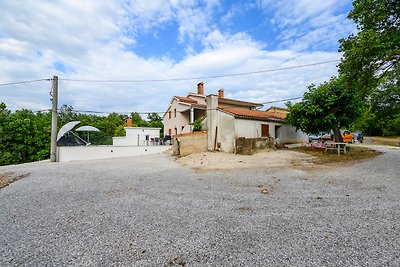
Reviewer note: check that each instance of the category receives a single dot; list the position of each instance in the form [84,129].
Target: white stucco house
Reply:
[225,124]
[183,111]
[138,136]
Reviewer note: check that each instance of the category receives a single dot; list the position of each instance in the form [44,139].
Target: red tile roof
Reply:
[255,114]
[186,100]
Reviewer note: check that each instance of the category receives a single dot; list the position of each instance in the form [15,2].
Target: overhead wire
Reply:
[282,100]
[200,77]
[27,81]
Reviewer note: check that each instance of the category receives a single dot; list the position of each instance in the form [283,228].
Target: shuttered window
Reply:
[264,130]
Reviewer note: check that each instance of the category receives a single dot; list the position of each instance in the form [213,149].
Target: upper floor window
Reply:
[169,114]
[175,113]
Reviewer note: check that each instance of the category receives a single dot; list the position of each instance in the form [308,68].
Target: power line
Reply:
[287,99]
[201,77]
[162,112]
[21,82]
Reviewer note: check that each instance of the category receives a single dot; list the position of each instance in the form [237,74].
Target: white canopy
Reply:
[87,128]
[66,128]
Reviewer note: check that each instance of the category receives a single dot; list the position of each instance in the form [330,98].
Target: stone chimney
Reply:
[129,122]
[200,88]
[221,93]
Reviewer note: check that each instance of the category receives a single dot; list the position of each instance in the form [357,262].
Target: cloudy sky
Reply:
[144,40]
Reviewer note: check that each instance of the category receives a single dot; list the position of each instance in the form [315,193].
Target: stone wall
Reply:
[187,144]
[248,146]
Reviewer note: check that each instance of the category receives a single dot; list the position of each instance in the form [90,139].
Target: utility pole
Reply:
[53,148]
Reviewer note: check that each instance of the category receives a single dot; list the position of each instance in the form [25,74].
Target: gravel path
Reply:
[150,211]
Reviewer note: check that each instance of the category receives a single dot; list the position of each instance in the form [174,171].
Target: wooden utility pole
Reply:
[53,148]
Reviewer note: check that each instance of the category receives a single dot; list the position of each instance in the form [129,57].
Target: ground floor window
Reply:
[264,130]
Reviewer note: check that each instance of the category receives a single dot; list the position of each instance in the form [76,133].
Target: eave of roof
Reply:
[238,102]
[185,100]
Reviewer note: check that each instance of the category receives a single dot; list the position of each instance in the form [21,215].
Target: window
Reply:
[264,130]
[169,114]
[169,131]
[175,113]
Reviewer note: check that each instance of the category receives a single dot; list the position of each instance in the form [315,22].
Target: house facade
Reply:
[183,111]
[224,125]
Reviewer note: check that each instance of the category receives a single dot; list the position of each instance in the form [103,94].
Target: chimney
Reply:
[200,88]
[221,93]
[129,122]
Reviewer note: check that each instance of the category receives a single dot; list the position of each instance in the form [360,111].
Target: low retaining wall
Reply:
[248,146]
[71,153]
[187,144]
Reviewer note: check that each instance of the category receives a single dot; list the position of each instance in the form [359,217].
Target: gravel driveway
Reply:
[150,211]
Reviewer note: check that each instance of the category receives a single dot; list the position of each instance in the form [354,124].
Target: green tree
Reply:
[374,52]
[25,136]
[154,117]
[66,114]
[120,130]
[330,106]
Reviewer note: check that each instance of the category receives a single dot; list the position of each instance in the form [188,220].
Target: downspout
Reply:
[191,120]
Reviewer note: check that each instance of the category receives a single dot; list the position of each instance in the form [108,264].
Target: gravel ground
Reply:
[151,211]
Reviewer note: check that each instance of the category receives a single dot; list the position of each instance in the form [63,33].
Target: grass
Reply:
[353,154]
[8,178]
[386,140]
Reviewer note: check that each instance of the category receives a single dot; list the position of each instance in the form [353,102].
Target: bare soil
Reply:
[211,161]
[9,177]
[295,158]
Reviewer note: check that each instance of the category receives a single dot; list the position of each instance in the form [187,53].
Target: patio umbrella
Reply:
[87,129]
[66,128]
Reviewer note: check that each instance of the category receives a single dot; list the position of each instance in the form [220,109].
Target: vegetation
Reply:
[327,107]
[25,136]
[369,78]
[197,125]
[371,66]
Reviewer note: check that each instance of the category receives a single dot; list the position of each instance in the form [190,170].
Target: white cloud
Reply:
[308,24]
[90,37]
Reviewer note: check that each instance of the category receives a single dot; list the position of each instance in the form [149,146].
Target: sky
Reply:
[178,43]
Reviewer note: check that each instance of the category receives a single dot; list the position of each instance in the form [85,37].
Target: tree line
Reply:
[25,135]
[366,93]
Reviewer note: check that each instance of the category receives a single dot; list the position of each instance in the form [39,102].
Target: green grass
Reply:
[386,140]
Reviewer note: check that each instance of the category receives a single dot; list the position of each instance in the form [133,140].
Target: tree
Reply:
[330,106]
[66,114]
[374,52]
[154,117]
[24,137]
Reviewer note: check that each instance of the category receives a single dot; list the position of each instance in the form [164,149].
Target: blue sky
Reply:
[147,40]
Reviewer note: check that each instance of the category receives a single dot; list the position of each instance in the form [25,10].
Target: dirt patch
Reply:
[354,154]
[299,158]
[9,177]
[211,161]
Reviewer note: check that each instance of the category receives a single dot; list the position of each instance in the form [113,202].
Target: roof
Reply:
[185,100]
[277,110]
[254,114]
[238,102]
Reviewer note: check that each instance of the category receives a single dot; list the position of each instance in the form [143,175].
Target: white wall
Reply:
[71,153]
[288,135]
[226,132]
[136,136]
[252,128]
